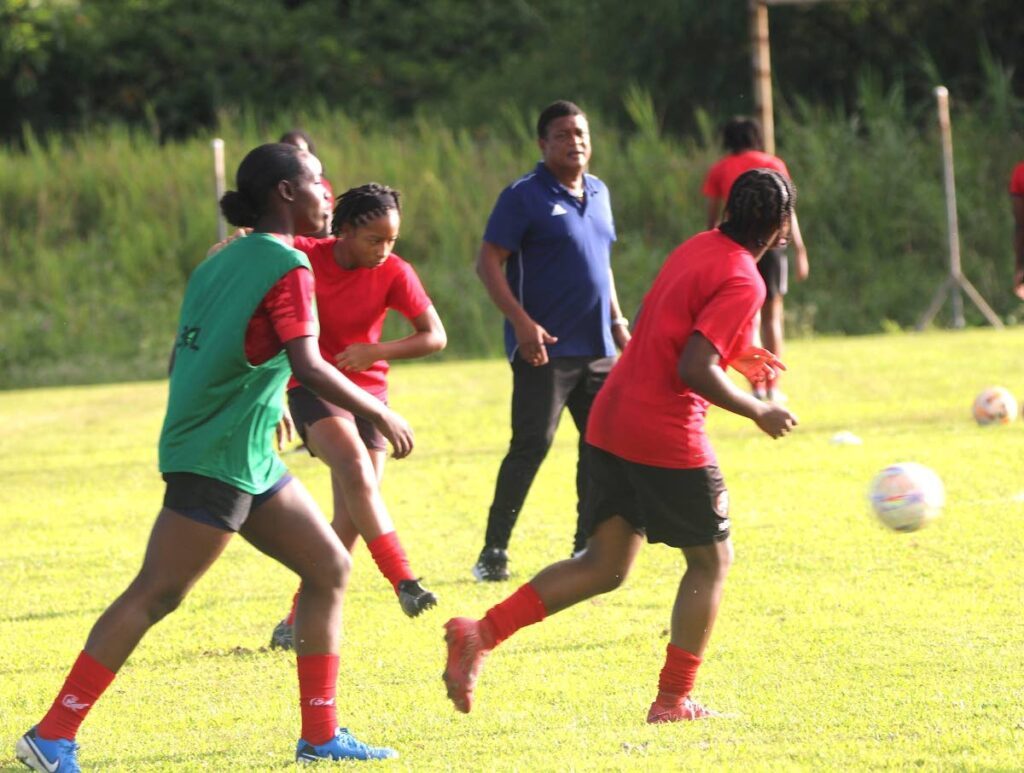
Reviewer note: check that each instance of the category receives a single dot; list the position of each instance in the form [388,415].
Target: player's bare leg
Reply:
[602,567]
[359,509]
[693,617]
[289,528]
[179,552]
[772,319]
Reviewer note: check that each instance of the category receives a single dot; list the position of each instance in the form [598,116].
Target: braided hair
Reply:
[742,133]
[358,206]
[760,202]
[258,174]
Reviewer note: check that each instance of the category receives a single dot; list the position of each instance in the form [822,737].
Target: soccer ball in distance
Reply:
[907,496]
[995,405]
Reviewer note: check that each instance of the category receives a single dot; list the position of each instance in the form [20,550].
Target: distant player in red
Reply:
[745,143]
[300,139]
[653,471]
[1017,200]
[358,279]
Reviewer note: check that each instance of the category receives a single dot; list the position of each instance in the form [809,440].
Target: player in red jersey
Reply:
[653,471]
[743,139]
[358,279]
[247,321]
[1017,200]
[301,139]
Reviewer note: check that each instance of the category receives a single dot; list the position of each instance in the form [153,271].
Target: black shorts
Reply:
[774,269]
[212,501]
[308,408]
[680,508]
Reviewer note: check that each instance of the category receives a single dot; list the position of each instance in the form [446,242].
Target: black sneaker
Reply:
[414,598]
[492,566]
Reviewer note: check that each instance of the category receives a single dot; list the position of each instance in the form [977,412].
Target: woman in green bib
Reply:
[247,322]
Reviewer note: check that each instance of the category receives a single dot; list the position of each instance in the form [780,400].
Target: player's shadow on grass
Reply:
[31,616]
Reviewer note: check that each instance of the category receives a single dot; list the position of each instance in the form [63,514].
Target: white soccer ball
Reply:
[995,405]
[907,496]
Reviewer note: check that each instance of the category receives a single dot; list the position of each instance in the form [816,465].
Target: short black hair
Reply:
[759,203]
[554,111]
[358,206]
[292,137]
[742,133]
[258,174]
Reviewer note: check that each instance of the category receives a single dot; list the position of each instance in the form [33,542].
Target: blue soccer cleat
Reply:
[57,756]
[343,746]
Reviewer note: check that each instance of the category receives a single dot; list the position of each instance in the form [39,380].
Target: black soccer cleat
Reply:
[492,566]
[414,598]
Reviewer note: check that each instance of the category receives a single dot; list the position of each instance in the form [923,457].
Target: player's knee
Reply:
[355,475]
[330,572]
[712,562]
[532,448]
[160,602]
[606,576]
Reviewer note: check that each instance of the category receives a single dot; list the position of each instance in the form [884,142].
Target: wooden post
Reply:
[762,64]
[956,281]
[218,185]
[952,224]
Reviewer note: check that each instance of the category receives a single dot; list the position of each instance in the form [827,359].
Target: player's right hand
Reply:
[774,420]
[533,341]
[397,431]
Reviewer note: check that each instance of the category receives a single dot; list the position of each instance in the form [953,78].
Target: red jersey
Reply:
[352,304]
[724,173]
[286,312]
[645,413]
[1017,180]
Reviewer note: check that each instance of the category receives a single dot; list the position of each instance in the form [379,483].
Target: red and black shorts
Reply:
[212,501]
[680,508]
[307,408]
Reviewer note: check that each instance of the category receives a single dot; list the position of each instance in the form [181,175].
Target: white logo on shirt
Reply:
[558,209]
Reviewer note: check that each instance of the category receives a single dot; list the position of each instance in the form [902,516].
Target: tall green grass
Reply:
[99,231]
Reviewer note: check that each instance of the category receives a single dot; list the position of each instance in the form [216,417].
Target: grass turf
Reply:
[840,645]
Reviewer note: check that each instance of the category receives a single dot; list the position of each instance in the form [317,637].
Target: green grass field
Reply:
[840,645]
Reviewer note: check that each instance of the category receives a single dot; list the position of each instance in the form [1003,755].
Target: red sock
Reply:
[522,608]
[318,684]
[677,675]
[290,620]
[390,558]
[83,687]
[771,384]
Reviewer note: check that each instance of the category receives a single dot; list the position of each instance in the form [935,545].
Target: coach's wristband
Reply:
[620,322]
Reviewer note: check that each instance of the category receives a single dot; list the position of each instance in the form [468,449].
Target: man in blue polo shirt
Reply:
[545,261]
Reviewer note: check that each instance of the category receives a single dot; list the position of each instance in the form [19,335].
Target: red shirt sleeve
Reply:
[289,304]
[406,294]
[726,318]
[1017,180]
[286,312]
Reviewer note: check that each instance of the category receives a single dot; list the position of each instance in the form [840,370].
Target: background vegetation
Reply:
[106,199]
[840,646]
[100,231]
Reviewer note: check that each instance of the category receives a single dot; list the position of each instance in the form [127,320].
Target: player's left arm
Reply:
[700,368]
[620,325]
[428,337]
[1018,245]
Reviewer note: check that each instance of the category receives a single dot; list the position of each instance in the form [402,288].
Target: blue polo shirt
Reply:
[560,261]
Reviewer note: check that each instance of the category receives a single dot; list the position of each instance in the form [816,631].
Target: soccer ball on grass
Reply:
[907,496]
[995,405]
